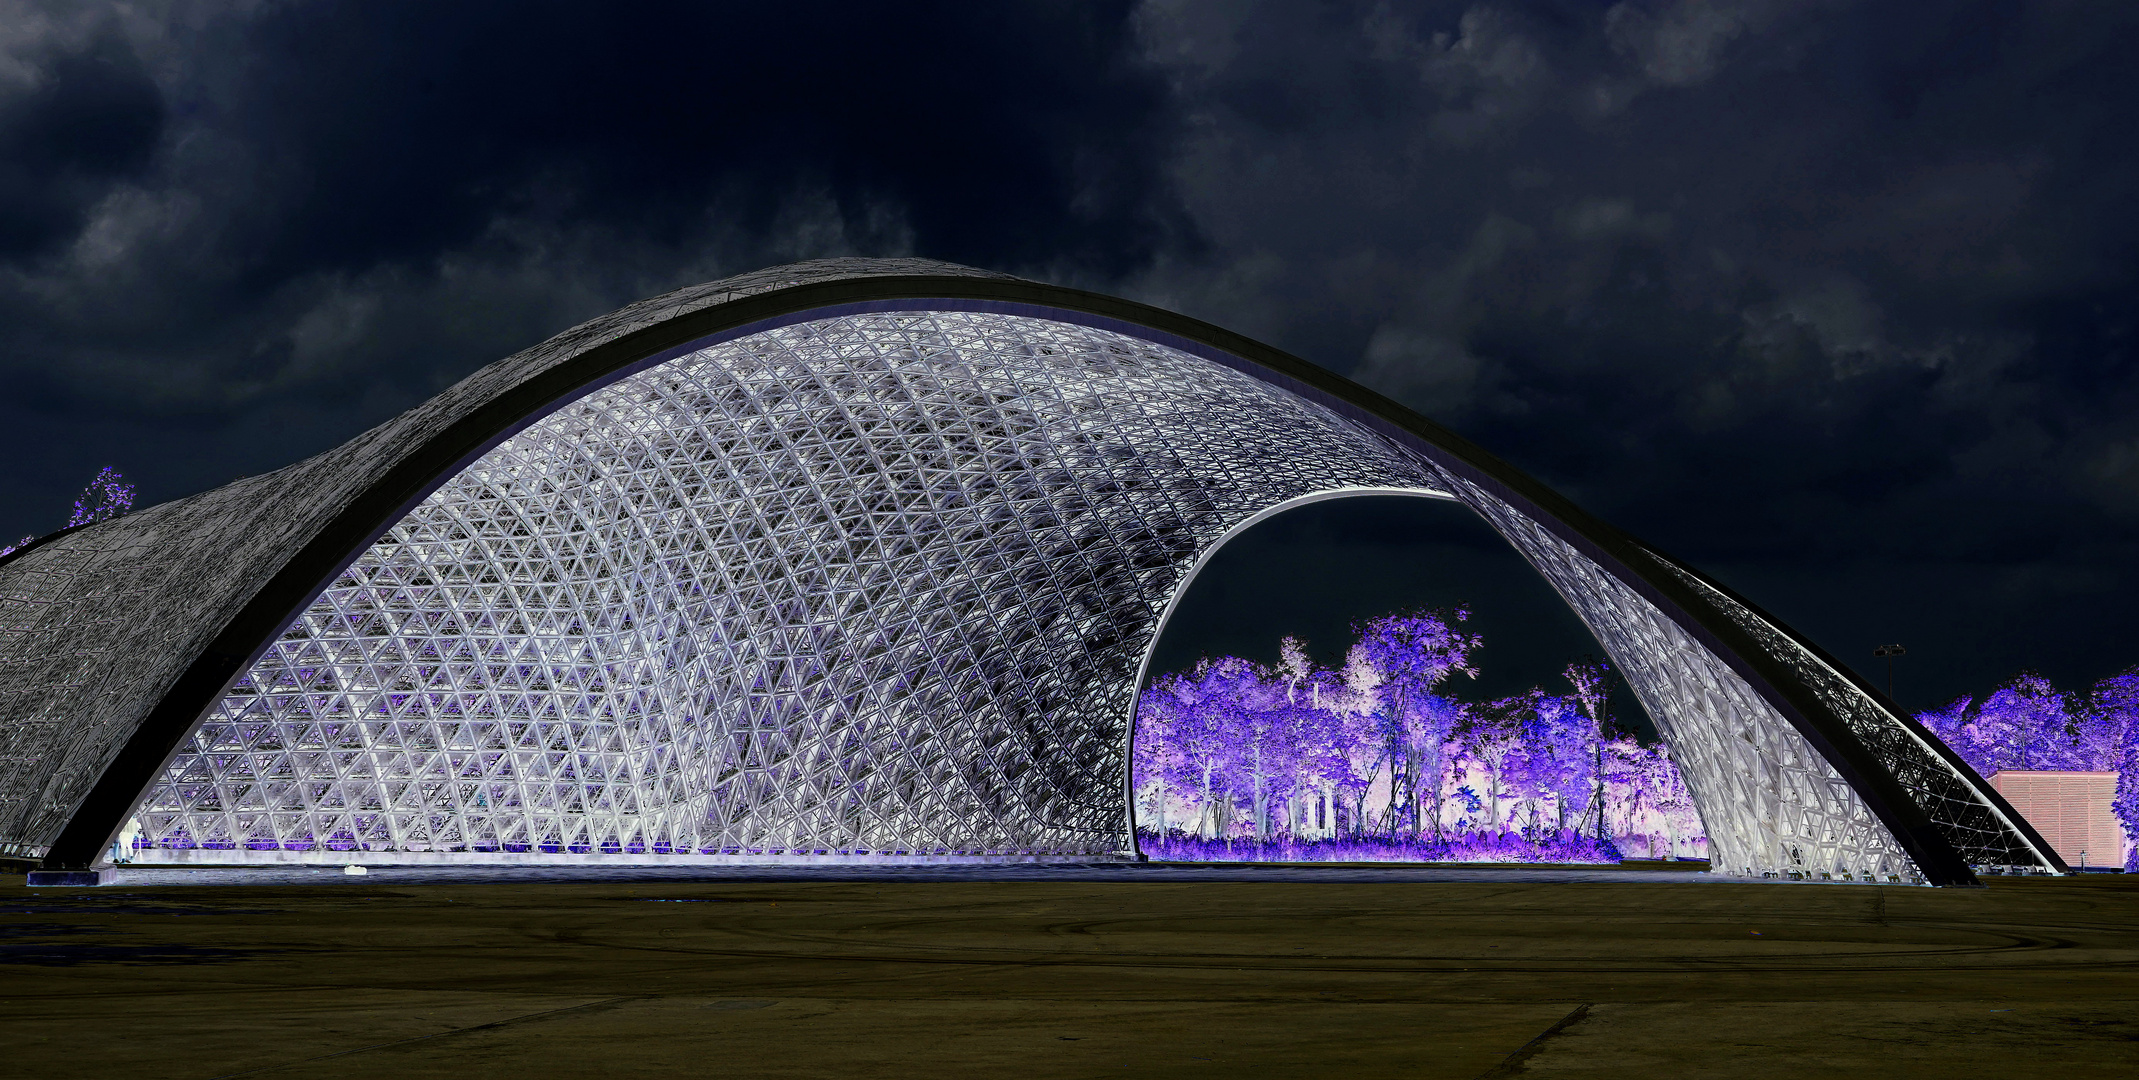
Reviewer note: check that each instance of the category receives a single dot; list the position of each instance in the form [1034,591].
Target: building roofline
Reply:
[421,469]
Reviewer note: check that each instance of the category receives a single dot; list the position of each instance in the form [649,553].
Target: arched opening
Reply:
[1318,568]
[1802,768]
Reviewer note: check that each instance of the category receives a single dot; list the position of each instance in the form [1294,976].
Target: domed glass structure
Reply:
[848,560]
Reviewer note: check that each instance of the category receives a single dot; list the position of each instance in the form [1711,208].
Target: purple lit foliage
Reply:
[1456,847]
[1404,658]
[105,497]
[2029,724]
[1375,761]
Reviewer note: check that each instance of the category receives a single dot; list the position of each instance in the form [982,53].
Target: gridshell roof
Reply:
[862,578]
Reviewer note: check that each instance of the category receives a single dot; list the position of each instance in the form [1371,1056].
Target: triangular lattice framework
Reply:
[1771,804]
[102,628]
[868,585]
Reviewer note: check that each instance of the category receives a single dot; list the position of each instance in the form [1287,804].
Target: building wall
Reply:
[2071,810]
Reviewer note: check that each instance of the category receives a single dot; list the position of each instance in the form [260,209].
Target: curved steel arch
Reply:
[1696,644]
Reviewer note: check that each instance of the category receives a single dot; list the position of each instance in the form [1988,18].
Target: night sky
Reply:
[1833,301]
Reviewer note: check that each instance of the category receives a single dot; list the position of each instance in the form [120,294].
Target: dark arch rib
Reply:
[1662,581]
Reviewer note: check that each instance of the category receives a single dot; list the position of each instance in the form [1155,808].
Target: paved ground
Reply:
[1631,975]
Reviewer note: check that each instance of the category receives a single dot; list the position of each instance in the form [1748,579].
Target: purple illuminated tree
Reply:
[1412,654]
[1322,757]
[2025,724]
[1261,731]
[105,498]
[1430,723]
[1655,794]
[1297,761]
[1591,682]
[1551,764]
[1490,743]
[1673,801]
[2105,725]
[1950,726]
[1213,706]
[2110,735]
[1625,766]
[1527,770]
[1157,760]
[1356,710]
[2029,724]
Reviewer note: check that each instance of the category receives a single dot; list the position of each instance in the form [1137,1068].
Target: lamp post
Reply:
[1890,652]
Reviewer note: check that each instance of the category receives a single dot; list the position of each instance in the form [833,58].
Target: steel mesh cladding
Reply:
[870,585]
[844,560]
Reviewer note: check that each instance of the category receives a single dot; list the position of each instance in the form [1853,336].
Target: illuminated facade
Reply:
[850,560]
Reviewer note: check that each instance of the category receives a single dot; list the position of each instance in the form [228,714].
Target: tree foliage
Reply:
[106,497]
[1379,756]
[2029,724]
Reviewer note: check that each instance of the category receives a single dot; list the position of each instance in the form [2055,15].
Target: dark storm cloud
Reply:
[92,121]
[990,132]
[1832,299]
[235,235]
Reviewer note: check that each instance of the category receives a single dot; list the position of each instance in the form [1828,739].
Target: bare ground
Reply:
[1034,979]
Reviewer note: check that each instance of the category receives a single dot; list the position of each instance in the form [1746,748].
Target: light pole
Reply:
[1890,652]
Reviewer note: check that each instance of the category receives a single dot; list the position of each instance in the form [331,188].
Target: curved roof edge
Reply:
[419,450]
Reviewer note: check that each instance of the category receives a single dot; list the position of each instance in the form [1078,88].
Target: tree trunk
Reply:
[1440,795]
[1207,818]
[1492,793]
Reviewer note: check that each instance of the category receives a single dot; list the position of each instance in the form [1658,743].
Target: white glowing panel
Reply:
[868,586]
